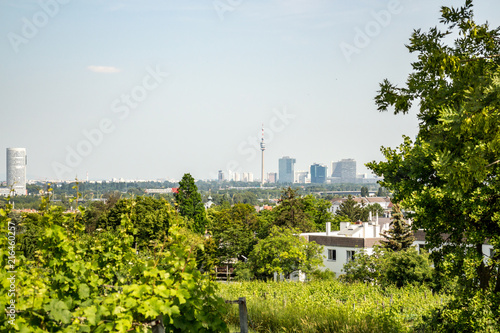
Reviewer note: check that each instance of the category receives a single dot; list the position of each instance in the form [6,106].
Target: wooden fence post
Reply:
[159,328]
[243,315]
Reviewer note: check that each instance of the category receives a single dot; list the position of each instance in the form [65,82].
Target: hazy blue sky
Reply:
[156,88]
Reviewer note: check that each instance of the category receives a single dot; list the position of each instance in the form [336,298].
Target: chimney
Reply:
[328,228]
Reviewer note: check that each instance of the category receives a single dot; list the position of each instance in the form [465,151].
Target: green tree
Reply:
[189,204]
[399,236]
[375,209]
[450,176]
[351,210]
[293,212]
[318,210]
[234,230]
[364,191]
[284,251]
[150,217]
[382,192]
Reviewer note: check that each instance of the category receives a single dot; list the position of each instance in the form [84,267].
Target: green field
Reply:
[329,306]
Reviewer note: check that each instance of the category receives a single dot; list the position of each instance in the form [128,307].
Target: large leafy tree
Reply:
[449,177]
[284,251]
[293,211]
[189,204]
[233,230]
[151,218]
[399,236]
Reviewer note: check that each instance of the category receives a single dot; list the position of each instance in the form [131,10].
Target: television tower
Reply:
[262,147]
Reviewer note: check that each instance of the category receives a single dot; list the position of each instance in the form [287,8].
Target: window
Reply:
[332,255]
[350,255]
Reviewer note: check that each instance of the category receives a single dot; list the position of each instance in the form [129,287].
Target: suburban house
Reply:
[341,246]
[385,202]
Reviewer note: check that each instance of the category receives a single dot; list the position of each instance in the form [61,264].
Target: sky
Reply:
[153,89]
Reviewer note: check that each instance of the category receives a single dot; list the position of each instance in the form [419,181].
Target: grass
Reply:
[328,306]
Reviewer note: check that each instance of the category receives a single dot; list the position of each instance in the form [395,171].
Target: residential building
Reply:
[340,247]
[247,177]
[286,169]
[236,177]
[301,177]
[344,170]
[272,177]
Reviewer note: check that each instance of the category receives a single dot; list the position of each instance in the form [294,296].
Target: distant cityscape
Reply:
[343,171]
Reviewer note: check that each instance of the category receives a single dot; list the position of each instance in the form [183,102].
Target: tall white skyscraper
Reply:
[16,170]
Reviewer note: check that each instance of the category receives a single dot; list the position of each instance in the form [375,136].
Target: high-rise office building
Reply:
[345,170]
[318,173]
[286,169]
[220,176]
[16,170]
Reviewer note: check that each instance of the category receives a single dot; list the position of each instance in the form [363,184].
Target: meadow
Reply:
[329,306]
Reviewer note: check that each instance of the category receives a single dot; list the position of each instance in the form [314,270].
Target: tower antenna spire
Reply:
[262,147]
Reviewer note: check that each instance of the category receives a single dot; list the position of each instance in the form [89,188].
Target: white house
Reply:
[339,247]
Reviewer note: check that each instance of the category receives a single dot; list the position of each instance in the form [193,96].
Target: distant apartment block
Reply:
[272,177]
[318,173]
[247,177]
[344,170]
[236,177]
[286,169]
[16,170]
[302,177]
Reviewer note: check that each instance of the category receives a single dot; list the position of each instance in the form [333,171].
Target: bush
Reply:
[476,312]
[386,267]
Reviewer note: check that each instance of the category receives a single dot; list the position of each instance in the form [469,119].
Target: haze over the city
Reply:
[153,89]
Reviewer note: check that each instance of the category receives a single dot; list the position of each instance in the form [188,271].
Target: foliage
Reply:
[78,283]
[151,218]
[234,229]
[189,204]
[320,274]
[478,313]
[382,192]
[364,191]
[352,211]
[385,267]
[330,306]
[318,208]
[450,176]
[399,236]
[292,211]
[284,251]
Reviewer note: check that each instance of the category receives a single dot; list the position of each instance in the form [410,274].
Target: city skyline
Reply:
[155,89]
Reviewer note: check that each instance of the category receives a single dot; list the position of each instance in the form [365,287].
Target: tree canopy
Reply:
[189,204]
[449,176]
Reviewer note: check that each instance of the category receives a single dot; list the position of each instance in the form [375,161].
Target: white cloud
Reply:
[104,69]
